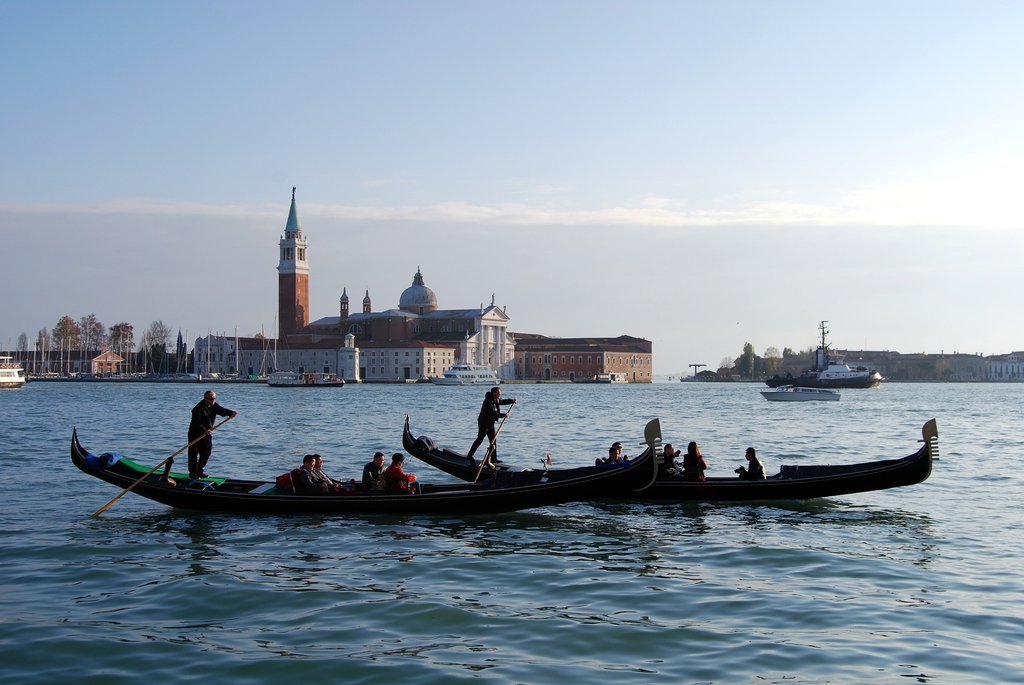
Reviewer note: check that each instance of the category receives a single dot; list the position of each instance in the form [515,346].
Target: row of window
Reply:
[633,360]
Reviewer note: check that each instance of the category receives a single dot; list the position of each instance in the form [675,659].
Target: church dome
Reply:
[418,297]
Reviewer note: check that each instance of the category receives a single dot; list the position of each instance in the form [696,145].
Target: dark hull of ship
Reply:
[812,381]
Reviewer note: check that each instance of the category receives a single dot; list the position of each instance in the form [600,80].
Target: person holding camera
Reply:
[754,469]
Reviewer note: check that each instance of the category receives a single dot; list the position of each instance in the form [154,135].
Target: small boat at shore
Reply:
[792,482]
[789,393]
[468,374]
[12,375]
[611,377]
[294,379]
[495,492]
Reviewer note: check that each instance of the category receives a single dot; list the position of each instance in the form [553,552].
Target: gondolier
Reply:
[490,412]
[202,422]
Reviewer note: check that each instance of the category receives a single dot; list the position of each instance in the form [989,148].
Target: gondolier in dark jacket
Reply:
[490,412]
[203,416]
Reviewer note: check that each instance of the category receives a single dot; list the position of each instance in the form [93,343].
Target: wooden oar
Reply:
[490,447]
[150,472]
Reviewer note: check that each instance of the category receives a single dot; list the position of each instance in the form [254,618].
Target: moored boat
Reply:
[612,377]
[294,379]
[12,375]
[467,374]
[795,481]
[789,393]
[496,492]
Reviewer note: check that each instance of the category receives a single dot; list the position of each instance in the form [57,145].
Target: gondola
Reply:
[500,492]
[792,482]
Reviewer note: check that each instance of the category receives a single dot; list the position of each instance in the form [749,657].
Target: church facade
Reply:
[414,341]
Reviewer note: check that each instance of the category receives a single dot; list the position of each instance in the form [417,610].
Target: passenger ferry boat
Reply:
[468,374]
[11,373]
[294,379]
[611,377]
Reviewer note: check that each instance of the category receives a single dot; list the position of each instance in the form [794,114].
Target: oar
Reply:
[150,472]
[490,447]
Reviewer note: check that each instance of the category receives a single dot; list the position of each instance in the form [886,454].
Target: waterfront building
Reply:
[427,339]
[538,357]
[107,364]
[293,277]
[215,355]
[1006,367]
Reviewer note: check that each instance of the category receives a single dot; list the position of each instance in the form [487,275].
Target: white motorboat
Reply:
[11,373]
[468,374]
[605,378]
[790,393]
[294,379]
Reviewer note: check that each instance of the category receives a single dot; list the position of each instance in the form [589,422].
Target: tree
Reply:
[747,361]
[727,363]
[772,360]
[23,343]
[93,332]
[122,339]
[154,340]
[67,335]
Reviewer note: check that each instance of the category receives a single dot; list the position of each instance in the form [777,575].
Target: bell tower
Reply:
[292,278]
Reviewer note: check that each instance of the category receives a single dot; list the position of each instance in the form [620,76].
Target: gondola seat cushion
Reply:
[286,481]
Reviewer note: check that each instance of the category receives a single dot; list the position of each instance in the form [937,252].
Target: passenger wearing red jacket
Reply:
[398,481]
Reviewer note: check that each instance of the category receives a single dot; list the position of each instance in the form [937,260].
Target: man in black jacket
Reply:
[203,417]
[201,426]
[490,412]
[373,474]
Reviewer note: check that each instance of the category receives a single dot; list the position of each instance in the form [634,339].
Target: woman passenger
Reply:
[693,463]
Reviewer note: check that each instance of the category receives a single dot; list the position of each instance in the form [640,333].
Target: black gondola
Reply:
[495,493]
[790,483]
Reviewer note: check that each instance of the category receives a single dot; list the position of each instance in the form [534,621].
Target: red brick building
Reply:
[538,357]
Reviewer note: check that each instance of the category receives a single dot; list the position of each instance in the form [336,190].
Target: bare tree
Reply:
[93,332]
[122,339]
[154,341]
[67,335]
[23,343]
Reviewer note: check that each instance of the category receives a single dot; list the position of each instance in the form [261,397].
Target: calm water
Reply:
[920,584]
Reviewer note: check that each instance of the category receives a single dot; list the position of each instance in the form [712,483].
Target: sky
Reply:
[700,174]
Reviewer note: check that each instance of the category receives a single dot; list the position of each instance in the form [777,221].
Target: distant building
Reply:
[413,342]
[1005,367]
[107,364]
[542,358]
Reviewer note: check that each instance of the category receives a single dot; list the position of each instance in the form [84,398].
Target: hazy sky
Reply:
[701,174]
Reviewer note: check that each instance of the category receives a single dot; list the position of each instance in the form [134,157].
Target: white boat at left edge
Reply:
[11,373]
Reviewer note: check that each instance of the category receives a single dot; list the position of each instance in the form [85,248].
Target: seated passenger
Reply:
[614,455]
[308,482]
[318,469]
[693,463]
[670,453]
[373,474]
[754,470]
[398,481]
